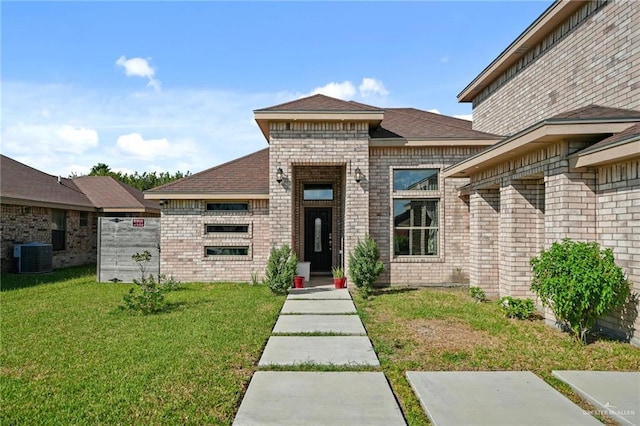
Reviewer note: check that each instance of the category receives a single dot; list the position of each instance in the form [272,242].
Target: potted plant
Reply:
[339,280]
[298,281]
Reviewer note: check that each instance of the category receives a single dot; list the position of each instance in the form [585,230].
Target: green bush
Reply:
[579,282]
[281,268]
[365,266]
[478,294]
[517,308]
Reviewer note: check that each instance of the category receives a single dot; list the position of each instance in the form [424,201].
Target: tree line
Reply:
[140,181]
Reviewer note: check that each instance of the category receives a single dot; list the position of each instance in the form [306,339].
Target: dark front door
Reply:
[317,238]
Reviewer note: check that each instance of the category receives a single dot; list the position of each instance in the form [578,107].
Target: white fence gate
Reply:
[119,238]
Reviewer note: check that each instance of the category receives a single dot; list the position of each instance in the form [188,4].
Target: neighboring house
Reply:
[567,91]
[446,200]
[38,207]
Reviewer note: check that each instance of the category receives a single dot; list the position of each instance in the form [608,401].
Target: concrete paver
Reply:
[319,398]
[613,393]
[321,350]
[337,324]
[318,307]
[493,398]
[322,293]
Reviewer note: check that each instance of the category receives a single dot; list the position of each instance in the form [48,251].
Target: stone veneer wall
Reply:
[183,240]
[25,224]
[451,265]
[618,227]
[335,143]
[597,63]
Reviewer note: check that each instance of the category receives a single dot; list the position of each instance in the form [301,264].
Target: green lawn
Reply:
[447,330]
[68,355]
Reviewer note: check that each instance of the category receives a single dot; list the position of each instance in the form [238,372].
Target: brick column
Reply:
[483,240]
[521,218]
[570,205]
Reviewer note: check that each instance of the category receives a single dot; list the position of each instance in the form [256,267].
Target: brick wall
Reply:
[183,241]
[24,224]
[451,264]
[618,228]
[520,233]
[597,63]
[318,144]
[483,240]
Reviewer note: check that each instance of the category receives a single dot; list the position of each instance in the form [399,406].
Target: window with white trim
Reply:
[415,227]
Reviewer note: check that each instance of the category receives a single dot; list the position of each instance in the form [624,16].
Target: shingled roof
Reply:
[109,194]
[594,112]
[246,175]
[21,184]
[320,103]
[629,135]
[411,123]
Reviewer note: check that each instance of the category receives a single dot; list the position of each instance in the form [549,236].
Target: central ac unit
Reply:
[34,257]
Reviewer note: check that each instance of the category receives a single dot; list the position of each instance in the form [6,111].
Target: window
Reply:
[415,180]
[58,229]
[84,219]
[227,251]
[415,227]
[228,207]
[318,192]
[227,228]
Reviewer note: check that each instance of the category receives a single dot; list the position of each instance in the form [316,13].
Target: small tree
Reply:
[148,295]
[365,266]
[579,282]
[281,268]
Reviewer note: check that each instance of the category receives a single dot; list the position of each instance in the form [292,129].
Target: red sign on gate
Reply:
[138,223]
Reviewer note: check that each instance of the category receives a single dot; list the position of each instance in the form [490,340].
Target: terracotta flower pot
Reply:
[340,282]
[298,281]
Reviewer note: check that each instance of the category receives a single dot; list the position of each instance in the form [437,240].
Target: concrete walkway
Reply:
[320,328]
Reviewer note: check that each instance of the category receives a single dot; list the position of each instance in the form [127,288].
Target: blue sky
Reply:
[167,86]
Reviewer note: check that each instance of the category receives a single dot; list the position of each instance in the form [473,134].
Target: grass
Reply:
[70,356]
[438,330]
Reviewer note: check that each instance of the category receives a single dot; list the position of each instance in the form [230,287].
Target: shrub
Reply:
[517,308]
[478,294]
[149,294]
[579,282]
[365,266]
[281,268]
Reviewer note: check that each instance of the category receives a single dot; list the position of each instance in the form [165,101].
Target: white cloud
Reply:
[134,144]
[371,86]
[344,90]
[139,67]
[434,110]
[48,138]
[468,117]
[444,59]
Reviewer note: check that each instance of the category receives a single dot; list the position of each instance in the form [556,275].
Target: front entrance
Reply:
[318,238]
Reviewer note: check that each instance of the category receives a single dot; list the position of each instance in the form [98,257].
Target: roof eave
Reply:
[175,195]
[263,118]
[550,18]
[430,142]
[621,151]
[540,134]
[45,204]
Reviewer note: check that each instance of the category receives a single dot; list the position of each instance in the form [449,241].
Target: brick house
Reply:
[447,200]
[567,92]
[334,171]
[38,207]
